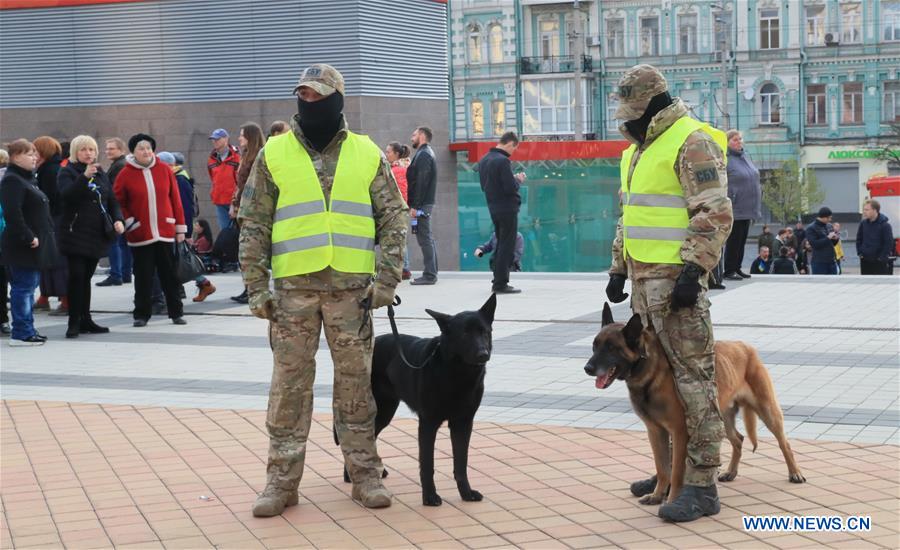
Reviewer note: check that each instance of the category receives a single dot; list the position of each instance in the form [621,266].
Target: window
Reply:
[890,17]
[549,38]
[851,23]
[549,106]
[687,33]
[650,35]
[612,104]
[498,116]
[615,37]
[722,25]
[495,44]
[891,105]
[769,104]
[768,29]
[851,113]
[477,118]
[474,44]
[815,105]
[815,25]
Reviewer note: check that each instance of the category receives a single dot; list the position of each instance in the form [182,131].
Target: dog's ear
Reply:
[443,320]
[607,315]
[488,309]
[632,331]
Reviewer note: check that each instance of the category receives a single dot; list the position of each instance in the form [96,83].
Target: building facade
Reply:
[801,79]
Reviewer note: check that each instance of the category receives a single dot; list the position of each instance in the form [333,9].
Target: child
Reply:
[202,242]
[491,244]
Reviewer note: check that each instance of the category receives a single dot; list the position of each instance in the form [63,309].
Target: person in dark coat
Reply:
[821,237]
[745,193]
[54,278]
[784,264]
[501,190]
[28,242]
[763,263]
[874,240]
[421,177]
[91,222]
[119,253]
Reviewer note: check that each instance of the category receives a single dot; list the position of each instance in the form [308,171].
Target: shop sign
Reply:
[858,154]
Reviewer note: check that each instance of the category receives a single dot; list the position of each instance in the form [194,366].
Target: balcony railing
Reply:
[554,64]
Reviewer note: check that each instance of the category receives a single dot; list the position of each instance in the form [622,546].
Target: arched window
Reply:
[495,42]
[769,104]
[474,44]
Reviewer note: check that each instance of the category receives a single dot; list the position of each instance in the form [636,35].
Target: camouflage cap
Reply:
[635,90]
[322,78]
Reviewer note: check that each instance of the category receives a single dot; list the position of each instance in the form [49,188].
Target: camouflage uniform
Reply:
[685,333]
[302,305]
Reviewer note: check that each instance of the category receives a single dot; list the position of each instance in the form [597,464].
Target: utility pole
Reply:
[579,54]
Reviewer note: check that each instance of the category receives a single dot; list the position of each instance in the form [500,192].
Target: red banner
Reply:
[548,150]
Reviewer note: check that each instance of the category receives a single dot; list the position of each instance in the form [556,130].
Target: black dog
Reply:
[448,387]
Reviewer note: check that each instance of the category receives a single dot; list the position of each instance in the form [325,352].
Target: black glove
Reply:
[687,287]
[614,288]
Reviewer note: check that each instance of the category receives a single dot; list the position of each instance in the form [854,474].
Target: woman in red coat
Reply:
[398,155]
[151,204]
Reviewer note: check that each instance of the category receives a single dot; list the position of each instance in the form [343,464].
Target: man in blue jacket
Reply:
[822,238]
[874,240]
[501,189]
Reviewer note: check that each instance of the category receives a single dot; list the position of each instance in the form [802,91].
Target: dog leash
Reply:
[367,308]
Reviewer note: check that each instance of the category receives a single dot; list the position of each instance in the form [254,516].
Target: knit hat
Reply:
[166,157]
[137,138]
[179,158]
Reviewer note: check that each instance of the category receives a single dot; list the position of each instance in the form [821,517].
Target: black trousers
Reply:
[81,269]
[156,258]
[734,246]
[873,267]
[506,225]
[4,295]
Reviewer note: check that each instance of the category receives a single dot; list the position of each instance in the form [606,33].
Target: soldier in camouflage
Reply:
[671,297]
[302,304]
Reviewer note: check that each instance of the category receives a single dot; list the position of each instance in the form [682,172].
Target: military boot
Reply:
[692,503]
[273,500]
[372,494]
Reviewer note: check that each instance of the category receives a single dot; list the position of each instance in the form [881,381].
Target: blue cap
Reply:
[218,133]
[166,157]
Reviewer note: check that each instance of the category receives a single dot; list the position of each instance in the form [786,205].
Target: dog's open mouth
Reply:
[604,380]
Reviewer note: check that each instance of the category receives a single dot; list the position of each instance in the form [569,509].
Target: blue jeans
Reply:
[22,283]
[222,215]
[119,258]
[824,268]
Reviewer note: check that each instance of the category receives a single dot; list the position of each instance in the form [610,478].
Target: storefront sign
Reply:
[858,154]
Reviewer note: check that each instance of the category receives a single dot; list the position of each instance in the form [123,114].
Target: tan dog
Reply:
[630,353]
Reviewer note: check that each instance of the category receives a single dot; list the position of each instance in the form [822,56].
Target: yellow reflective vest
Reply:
[307,234]
[654,210]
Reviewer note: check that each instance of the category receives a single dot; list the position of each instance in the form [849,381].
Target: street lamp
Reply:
[726,47]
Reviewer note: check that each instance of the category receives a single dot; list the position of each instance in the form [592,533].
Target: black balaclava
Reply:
[321,120]
[638,127]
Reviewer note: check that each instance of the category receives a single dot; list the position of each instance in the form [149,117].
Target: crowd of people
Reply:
[62,212]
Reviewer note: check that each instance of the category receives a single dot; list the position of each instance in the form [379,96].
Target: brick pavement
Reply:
[94,476]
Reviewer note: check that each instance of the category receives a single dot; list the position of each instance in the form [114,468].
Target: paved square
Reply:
[112,439]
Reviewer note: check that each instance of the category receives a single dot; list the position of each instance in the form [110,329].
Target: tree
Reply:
[789,191]
[890,151]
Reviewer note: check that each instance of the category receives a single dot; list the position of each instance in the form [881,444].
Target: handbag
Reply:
[188,265]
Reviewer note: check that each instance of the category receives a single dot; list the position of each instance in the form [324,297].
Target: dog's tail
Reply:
[749,416]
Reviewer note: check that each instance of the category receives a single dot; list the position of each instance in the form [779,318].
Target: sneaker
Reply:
[272,502]
[40,336]
[30,341]
[423,281]
[692,503]
[205,289]
[4,329]
[733,277]
[110,281]
[407,275]
[179,321]
[507,290]
[138,323]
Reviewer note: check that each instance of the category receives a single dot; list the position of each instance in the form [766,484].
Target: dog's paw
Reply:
[384,473]
[472,496]
[432,500]
[651,499]
[728,476]
[797,478]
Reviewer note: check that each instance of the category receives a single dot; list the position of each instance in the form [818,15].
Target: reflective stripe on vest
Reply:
[307,236]
[654,210]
